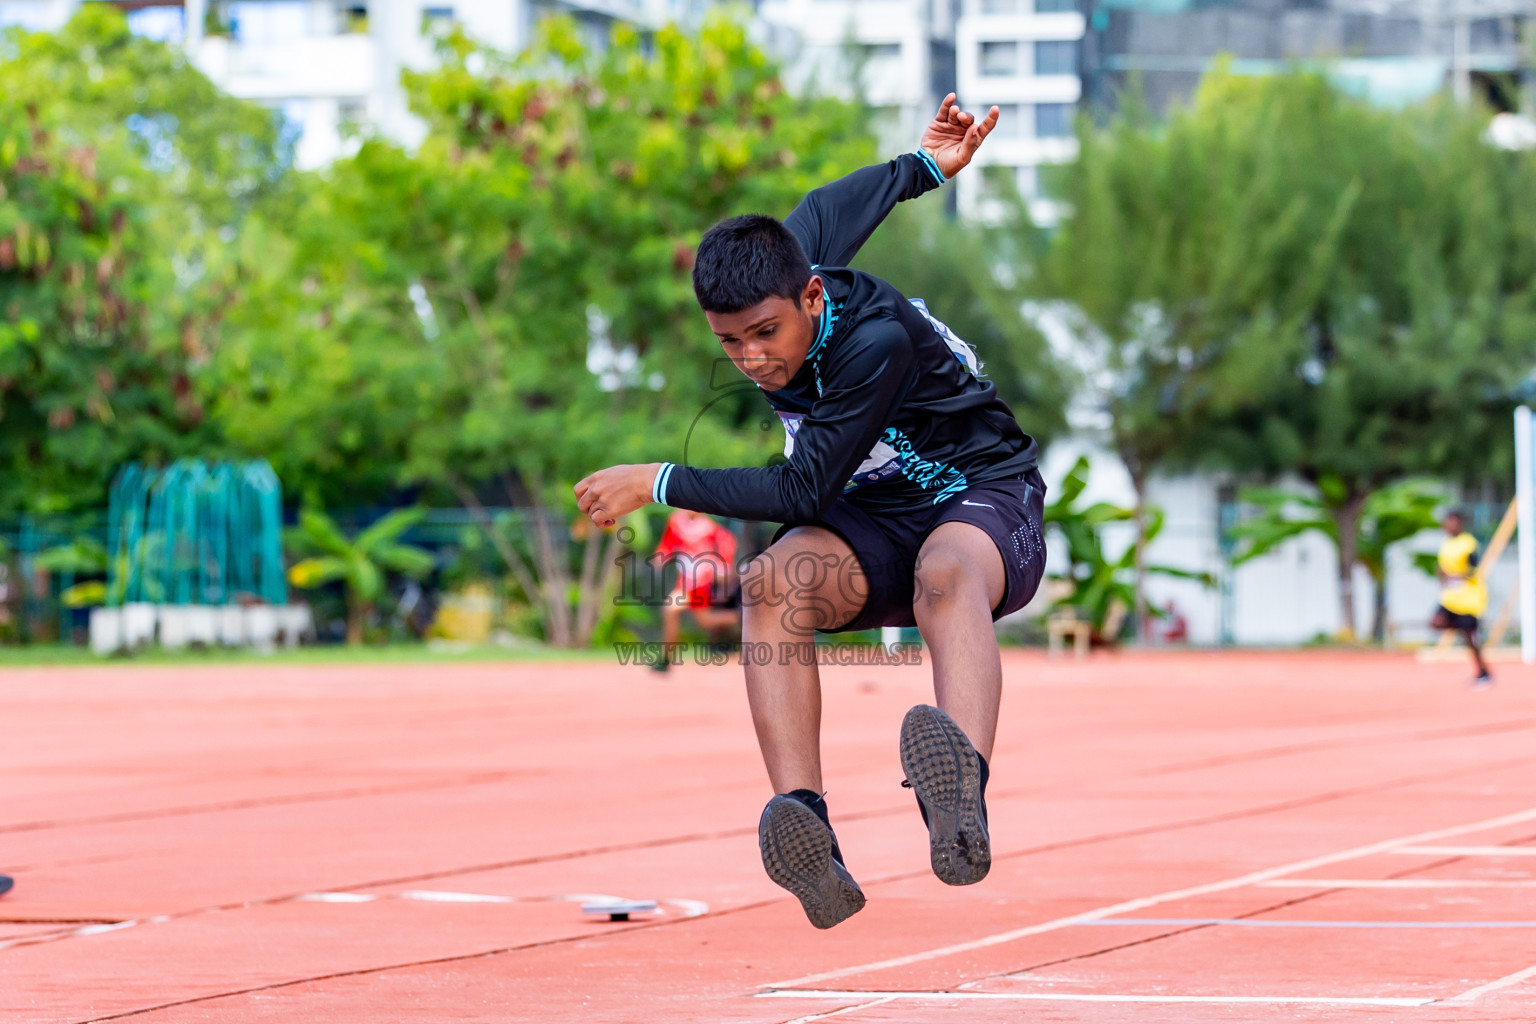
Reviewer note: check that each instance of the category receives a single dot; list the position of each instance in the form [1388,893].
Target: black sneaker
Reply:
[5,884]
[1483,681]
[801,854]
[662,663]
[948,777]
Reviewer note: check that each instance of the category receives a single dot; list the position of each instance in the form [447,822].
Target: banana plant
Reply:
[1100,583]
[361,562]
[83,556]
[1389,515]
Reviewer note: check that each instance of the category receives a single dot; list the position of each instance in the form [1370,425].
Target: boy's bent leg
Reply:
[808,579]
[960,579]
[1484,677]
[671,629]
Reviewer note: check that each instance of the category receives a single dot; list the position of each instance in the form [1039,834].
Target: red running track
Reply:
[1179,837]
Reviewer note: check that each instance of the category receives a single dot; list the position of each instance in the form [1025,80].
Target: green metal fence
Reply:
[196,533]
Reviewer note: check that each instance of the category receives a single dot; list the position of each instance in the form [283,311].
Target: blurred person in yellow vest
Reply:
[1463,595]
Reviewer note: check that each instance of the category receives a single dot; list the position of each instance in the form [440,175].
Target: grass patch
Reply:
[320,654]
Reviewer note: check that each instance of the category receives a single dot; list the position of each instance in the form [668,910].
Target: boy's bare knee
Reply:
[799,586]
[941,575]
[762,583]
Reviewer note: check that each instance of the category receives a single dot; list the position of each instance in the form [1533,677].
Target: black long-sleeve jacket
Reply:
[888,411]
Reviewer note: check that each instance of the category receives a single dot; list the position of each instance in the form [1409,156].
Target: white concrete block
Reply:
[202,624]
[106,630]
[139,621]
[261,626]
[296,622]
[231,625]
[175,626]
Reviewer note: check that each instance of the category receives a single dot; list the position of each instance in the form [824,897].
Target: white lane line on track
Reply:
[1469,851]
[1261,922]
[686,907]
[1399,883]
[846,1009]
[690,908]
[1130,906]
[90,929]
[1084,997]
[335,897]
[1472,994]
[432,896]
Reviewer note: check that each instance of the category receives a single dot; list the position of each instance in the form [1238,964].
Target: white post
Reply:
[890,636]
[1461,57]
[192,14]
[1525,511]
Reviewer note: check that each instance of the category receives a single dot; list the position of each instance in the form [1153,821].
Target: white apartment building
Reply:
[328,63]
[1023,56]
[899,54]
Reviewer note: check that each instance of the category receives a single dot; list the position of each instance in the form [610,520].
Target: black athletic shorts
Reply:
[1454,620]
[1010,511]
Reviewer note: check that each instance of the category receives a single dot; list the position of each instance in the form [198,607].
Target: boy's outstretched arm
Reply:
[833,221]
[863,384]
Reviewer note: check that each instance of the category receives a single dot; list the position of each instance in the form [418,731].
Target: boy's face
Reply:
[1452,524]
[768,342]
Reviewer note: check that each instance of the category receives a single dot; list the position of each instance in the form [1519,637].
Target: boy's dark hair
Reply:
[744,260]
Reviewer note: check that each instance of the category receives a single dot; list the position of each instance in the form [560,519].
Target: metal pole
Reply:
[1461,57]
[1226,546]
[1525,507]
[28,547]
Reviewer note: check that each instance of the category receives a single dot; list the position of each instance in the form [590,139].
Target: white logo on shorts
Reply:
[976,504]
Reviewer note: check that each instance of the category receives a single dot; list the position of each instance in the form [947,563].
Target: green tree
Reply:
[120,167]
[216,158]
[362,563]
[1307,284]
[510,304]
[1136,364]
[84,381]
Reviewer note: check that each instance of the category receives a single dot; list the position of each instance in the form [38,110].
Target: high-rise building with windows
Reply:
[1023,56]
[1388,51]
[898,55]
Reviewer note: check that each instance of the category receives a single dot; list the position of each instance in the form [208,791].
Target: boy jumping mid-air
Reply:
[910,497]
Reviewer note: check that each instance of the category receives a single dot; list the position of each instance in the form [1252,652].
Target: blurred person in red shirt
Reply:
[705,552]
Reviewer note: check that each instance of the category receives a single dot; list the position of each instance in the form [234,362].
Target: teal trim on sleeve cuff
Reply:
[932,165]
[659,485]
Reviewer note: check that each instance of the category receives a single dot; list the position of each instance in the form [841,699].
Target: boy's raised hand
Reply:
[953,136]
